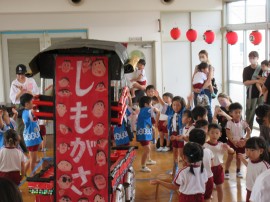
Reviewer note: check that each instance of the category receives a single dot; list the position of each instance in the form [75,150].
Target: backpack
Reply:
[202,99]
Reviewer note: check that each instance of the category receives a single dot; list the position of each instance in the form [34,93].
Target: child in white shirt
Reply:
[190,180]
[140,81]
[218,149]
[199,136]
[256,151]
[238,132]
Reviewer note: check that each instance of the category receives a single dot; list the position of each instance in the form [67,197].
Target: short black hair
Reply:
[265,62]
[187,112]
[154,98]
[9,191]
[198,136]
[198,111]
[149,87]
[202,65]
[142,61]
[214,126]
[144,100]
[201,123]
[25,98]
[261,110]
[235,106]
[253,54]
[167,94]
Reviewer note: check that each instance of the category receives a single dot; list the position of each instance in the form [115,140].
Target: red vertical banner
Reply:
[81,128]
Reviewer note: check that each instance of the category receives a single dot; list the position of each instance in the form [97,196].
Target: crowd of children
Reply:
[198,145]
[14,163]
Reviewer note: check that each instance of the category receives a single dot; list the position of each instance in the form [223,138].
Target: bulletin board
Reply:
[81,127]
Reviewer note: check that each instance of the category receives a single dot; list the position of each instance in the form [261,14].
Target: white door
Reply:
[176,68]
[145,51]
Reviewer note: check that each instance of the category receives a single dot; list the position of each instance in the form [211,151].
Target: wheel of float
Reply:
[129,183]
[119,194]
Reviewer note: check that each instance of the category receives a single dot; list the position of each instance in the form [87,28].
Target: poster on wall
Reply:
[81,91]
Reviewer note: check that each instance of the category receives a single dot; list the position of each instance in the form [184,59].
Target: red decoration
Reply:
[255,37]
[231,37]
[209,36]
[175,33]
[191,35]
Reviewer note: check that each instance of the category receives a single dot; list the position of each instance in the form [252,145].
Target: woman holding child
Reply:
[207,85]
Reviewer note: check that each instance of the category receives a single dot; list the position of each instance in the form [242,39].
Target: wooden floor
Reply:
[234,189]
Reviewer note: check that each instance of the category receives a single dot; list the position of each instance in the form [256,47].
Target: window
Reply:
[243,17]
[249,11]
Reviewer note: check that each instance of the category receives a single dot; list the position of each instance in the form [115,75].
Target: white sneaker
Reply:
[165,149]
[160,149]
[151,162]
[239,175]
[145,169]
[227,176]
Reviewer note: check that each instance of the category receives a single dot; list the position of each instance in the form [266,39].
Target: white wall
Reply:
[180,57]
[37,6]
[114,20]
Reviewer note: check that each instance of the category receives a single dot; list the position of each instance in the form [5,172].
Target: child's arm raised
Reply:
[189,101]
[159,98]
[157,114]
[15,114]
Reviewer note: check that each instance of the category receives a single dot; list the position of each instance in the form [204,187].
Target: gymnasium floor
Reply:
[234,189]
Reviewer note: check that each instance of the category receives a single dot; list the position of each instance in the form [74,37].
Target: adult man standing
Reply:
[19,86]
[250,78]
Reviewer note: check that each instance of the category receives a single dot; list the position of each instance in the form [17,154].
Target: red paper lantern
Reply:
[191,35]
[255,37]
[209,36]
[175,33]
[231,37]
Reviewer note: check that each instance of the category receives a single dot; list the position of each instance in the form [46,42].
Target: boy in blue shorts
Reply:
[31,133]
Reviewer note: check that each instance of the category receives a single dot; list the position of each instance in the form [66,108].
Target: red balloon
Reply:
[255,37]
[209,36]
[191,35]
[231,37]
[175,33]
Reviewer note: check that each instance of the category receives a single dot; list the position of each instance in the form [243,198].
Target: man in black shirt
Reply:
[250,74]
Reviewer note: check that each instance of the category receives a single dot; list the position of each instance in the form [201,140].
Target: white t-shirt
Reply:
[189,183]
[237,129]
[187,129]
[199,77]
[253,171]
[141,72]
[162,117]
[28,85]
[260,191]
[10,159]
[218,152]
[207,161]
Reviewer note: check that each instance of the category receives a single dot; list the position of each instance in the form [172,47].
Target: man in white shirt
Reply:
[19,86]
